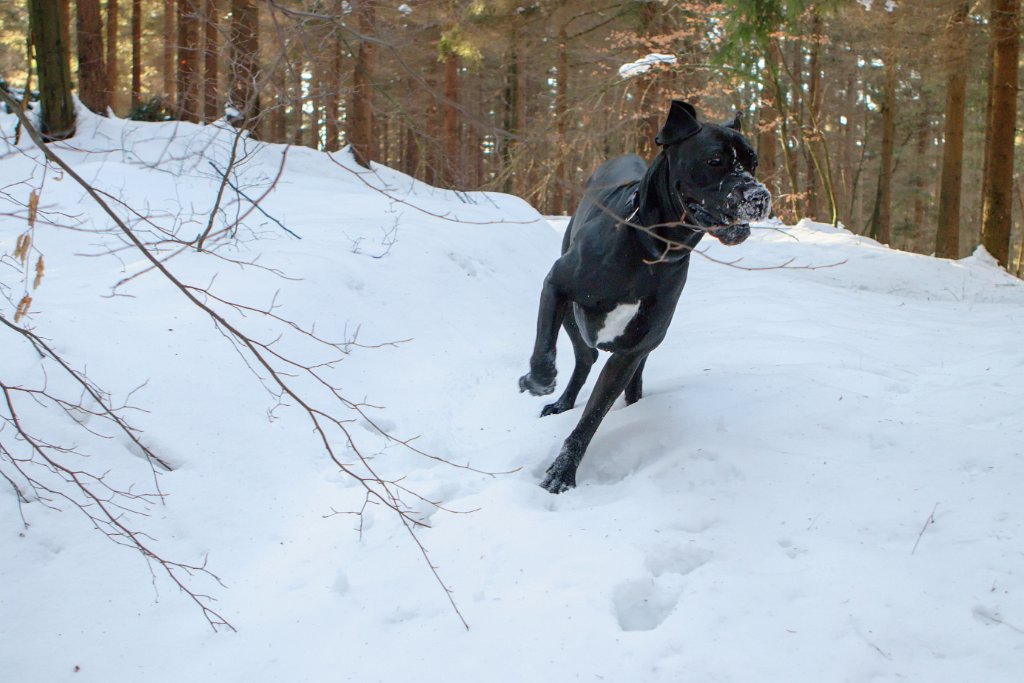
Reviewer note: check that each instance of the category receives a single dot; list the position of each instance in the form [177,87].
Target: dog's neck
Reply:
[660,214]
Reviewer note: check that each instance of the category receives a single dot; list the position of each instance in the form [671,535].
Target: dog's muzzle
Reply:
[748,203]
[755,203]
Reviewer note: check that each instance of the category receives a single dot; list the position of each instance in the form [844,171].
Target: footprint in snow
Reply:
[644,604]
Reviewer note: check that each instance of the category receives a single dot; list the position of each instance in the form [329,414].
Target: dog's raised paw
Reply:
[528,383]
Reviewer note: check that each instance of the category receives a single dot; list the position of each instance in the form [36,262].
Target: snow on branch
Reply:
[643,65]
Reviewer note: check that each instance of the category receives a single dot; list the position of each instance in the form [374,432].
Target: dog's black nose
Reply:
[756,202]
[753,193]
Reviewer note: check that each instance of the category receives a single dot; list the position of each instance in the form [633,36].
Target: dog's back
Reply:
[608,194]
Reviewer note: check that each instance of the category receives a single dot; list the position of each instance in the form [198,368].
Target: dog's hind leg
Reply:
[635,388]
[540,380]
[585,359]
[620,368]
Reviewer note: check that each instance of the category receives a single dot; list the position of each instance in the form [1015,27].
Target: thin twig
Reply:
[927,522]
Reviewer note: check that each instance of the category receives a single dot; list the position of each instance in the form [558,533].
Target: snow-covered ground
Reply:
[821,484]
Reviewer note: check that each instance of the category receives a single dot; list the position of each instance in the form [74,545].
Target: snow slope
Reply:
[821,483]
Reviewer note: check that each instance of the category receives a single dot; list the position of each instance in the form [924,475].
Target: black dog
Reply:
[624,261]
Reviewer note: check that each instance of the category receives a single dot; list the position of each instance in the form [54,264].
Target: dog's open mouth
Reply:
[732,235]
[729,235]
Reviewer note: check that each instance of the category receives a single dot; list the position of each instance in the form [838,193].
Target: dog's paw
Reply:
[538,388]
[561,476]
[555,408]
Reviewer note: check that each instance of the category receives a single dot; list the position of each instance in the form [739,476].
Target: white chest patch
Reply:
[615,322]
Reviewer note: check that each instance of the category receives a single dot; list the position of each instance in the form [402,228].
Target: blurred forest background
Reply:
[897,118]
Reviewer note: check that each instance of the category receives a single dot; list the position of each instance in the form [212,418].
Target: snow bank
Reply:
[821,483]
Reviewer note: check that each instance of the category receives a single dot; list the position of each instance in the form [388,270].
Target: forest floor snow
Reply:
[822,482]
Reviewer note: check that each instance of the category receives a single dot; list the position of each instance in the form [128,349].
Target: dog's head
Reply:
[712,173]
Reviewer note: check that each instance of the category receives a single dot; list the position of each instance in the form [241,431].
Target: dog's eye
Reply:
[715,161]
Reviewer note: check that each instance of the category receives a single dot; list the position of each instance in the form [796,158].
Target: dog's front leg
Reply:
[540,380]
[561,475]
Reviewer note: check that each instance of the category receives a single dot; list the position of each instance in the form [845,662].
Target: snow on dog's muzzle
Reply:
[754,203]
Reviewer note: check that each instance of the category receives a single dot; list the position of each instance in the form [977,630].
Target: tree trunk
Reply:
[111,65]
[514,113]
[647,87]
[136,53]
[188,60]
[359,128]
[211,53]
[332,101]
[278,131]
[432,173]
[997,198]
[92,77]
[316,88]
[947,234]
[812,136]
[298,100]
[881,227]
[411,149]
[922,171]
[47,22]
[170,33]
[245,63]
[558,204]
[767,135]
[450,122]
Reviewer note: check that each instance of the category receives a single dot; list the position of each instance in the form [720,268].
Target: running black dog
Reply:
[624,261]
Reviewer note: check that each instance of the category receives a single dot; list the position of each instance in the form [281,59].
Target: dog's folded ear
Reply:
[681,124]
[736,123]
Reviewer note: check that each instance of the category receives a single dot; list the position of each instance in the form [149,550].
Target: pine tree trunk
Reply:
[136,53]
[298,101]
[359,128]
[188,60]
[332,111]
[767,135]
[813,133]
[881,228]
[170,47]
[558,204]
[997,199]
[647,95]
[111,64]
[92,76]
[412,140]
[244,62]
[511,96]
[947,234]
[278,125]
[432,149]
[47,22]
[211,53]
[923,171]
[317,104]
[450,123]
